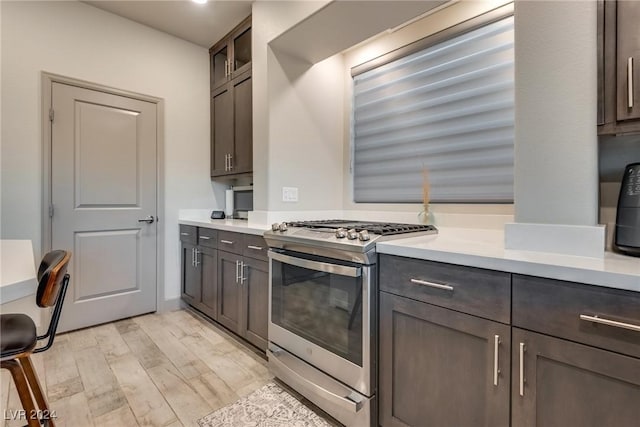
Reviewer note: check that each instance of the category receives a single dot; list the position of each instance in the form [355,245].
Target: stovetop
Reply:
[342,239]
[380,228]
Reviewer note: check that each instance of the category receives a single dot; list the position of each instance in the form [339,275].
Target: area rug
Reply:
[269,406]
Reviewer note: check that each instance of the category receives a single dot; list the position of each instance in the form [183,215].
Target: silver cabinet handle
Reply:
[325,267]
[521,369]
[257,248]
[185,234]
[205,237]
[226,242]
[496,370]
[608,322]
[193,258]
[630,82]
[226,68]
[226,162]
[230,162]
[237,271]
[432,284]
[242,276]
[196,253]
[149,220]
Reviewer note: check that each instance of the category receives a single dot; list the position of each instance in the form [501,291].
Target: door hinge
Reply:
[51,114]
[50,211]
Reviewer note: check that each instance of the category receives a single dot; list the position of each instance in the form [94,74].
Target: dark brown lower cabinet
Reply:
[244,296]
[229,290]
[255,299]
[207,262]
[199,285]
[191,283]
[440,367]
[559,383]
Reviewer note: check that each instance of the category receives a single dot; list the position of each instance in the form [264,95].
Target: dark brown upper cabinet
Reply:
[618,67]
[231,104]
[231,56]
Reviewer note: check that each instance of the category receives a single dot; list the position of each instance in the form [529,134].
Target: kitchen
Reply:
[298,108]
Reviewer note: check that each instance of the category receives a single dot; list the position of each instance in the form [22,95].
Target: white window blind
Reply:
[448,108]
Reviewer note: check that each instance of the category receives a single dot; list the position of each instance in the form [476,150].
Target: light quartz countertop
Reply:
[200,218]
[485,249]
[17,270]
[482,248]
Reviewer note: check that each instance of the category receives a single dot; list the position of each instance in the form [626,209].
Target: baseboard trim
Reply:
[171,305]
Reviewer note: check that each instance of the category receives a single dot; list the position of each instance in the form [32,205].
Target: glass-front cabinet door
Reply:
[241,41]
[220,66]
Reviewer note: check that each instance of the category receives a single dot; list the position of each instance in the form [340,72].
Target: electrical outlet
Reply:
[289,194]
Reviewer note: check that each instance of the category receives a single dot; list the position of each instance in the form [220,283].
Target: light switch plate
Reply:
[289,194]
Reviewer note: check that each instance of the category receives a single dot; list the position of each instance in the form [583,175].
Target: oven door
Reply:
[321,311]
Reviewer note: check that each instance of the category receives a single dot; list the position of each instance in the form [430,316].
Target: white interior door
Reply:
[103,182]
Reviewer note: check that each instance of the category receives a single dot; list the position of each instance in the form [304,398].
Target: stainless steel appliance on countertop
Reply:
[322,311]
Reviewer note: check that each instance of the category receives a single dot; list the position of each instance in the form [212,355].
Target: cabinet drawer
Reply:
[255,247]
[483,293]
[207,237]
[188,234]
[555,308]
[230,241]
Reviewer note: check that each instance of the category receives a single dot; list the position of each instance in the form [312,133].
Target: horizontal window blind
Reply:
[448,109]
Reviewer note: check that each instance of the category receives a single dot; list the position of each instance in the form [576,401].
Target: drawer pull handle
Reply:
[185,234]
[630,82]
[228,242]
[596,319]
[205,238]
[257,248]
[432,285]
[496,369]
[522,349]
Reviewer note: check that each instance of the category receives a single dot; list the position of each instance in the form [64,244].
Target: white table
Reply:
[18,283]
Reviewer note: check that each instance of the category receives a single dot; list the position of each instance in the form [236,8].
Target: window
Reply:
[447,108]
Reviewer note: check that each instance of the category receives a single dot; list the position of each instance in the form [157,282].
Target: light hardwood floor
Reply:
[155,370]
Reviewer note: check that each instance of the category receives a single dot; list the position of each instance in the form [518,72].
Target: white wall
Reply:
[556,142]
[269,19]
[80,41]
[556,148]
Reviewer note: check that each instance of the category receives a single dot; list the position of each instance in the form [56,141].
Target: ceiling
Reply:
[202,24]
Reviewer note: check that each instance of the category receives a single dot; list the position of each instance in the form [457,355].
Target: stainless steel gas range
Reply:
[323,311]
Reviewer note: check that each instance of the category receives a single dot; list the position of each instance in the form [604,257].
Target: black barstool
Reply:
[18,337]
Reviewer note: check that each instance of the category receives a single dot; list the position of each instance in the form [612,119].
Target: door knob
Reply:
[148,220]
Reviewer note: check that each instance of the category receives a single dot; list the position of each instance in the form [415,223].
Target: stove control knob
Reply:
[363,236]
[352,234]
[341,233]
[282,227]
[275,226]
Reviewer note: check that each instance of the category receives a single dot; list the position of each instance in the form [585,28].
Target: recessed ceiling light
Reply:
[199,1]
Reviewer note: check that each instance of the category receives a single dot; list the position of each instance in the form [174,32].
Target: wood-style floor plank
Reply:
[121,417]
[147,403]
[164,370]
[83,338]
[5,382]
[188,363]
[61,373]
[188,405]
[72,411]
[110,341]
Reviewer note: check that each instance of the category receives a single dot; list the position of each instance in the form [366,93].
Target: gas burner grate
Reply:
[380,228]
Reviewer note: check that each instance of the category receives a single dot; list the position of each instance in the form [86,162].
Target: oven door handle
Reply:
[326,267]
